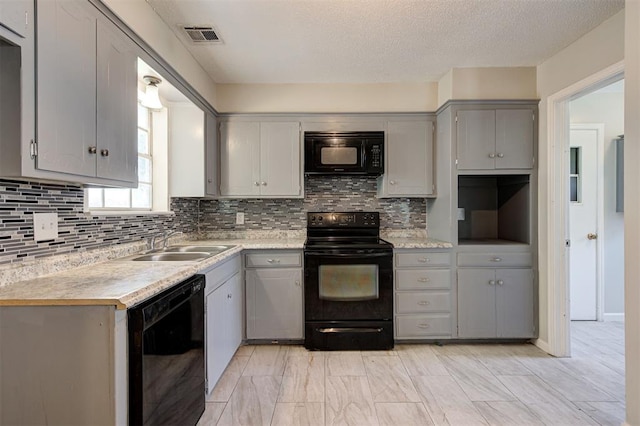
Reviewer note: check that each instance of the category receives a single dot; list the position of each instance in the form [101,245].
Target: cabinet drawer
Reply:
[273,259]
[423,325]
[219,274]
[423,279]
[495,260]
[424,258]
[422,301]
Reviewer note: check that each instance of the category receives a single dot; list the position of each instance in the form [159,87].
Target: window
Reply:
[575,187]
[140,198]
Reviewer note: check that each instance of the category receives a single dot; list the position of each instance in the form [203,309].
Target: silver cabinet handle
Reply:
[423,280]
[424,303]
[209,180]
[500,282]
[492,155]
[424,325]
[500,155]
[592,236]
[297,283]
[229,296]
[256,183]
[492,282]
[496,259]
[273,260]
[392,182]
[424,260]
[263,183]
[93,150]
[104,152]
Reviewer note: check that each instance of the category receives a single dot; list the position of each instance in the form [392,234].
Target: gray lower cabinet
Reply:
[223,317]
[495,303]
[423,294]
[274,295]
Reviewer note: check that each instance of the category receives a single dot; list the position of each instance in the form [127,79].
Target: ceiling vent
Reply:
[201,34]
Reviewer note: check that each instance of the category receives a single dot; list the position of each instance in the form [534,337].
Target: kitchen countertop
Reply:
[124,283]
[121,282]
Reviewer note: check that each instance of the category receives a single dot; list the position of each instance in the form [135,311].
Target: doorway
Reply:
[558,255]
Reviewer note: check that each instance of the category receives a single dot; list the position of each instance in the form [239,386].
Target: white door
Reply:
[583,200]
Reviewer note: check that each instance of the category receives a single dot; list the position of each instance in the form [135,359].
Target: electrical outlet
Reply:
[460,213]
[239,218]
[45,226]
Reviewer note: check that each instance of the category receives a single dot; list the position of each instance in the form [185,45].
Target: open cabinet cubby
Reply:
[496,209]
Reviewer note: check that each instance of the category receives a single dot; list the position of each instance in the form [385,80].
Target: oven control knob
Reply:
[313,218]
[320,218]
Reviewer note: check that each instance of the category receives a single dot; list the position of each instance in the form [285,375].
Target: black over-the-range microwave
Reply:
[348,153]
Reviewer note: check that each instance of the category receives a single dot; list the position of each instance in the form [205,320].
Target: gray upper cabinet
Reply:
[66,91]
[260,159]
[79,123]
[409,160]
[489,139]
[15,15]
[211,155]
[117,100]
[495,303]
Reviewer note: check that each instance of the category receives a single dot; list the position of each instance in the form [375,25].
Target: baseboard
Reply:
[613,317]
[542,345]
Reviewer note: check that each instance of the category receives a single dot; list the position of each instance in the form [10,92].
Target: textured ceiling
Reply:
[371,41]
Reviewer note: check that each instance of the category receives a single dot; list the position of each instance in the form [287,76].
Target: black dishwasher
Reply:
[166,356]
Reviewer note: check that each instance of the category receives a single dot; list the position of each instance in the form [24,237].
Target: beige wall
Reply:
[488,83]
[140,17]
[598,49]
[632,210]
[281,98]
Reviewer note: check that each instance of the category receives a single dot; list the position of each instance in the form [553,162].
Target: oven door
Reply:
[349,285]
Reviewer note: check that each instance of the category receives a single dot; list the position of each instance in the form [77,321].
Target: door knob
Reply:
[591,236]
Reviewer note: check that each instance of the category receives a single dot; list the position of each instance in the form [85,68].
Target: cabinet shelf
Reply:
[495,209]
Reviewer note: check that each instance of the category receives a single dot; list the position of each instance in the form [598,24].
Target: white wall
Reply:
[141,18]
[607,108]
[596,50]
[281,98]
[488,83]
[632,210]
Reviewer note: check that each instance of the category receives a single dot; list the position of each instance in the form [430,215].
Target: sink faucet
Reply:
[164,237]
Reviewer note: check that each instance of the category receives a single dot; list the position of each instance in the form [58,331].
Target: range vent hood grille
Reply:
[201,34]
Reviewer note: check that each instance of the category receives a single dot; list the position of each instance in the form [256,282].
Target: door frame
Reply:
[557,255]
[600,229]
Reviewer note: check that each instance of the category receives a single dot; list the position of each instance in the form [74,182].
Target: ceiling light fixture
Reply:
[151,96]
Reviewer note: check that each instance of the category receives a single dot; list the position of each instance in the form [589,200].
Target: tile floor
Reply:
[455,384]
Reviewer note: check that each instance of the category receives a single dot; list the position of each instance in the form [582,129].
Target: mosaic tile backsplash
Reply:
[81,231]
[322,193]
[77,230]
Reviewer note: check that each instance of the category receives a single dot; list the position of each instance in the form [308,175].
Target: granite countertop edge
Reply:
[130,283]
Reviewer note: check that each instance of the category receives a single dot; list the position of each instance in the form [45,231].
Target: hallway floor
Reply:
[456,384]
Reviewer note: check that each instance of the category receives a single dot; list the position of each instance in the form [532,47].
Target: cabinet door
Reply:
[409,158]
[216,328]
[186,150]
[514,303]
[476,135]
[514,139]
[280,159]
[14,16]
[476,303]
[240,158]
[234,314]
[66,94]
[211,154]
[117,156]
[274,304]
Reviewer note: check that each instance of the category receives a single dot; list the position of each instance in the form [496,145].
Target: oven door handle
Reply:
[349,330]
[344,255]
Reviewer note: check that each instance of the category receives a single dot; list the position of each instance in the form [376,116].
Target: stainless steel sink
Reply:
[172,257]
[189,249]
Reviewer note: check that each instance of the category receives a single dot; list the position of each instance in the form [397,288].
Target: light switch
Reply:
[45,226]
